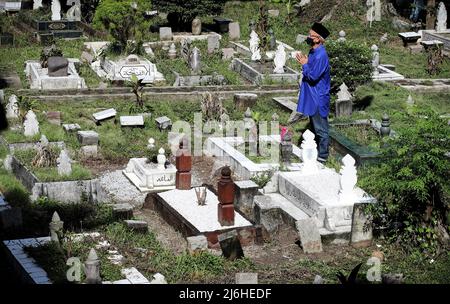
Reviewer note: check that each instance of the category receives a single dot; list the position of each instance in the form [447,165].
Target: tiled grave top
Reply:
[431,42]
[246,184]
[323,187]
[410,35]
[203,218]
[16,247]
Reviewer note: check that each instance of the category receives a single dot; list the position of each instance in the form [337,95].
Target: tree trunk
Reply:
[431,14]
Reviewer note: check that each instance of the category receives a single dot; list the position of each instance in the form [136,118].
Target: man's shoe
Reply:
[321,160]
[295,116]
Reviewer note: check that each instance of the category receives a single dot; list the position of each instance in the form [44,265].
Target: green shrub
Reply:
[123,21]
[350,63]
[412,185]
[182,12]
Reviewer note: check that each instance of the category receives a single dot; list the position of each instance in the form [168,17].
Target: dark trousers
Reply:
[320,128]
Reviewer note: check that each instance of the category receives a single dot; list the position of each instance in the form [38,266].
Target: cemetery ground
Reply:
[162,248]
[277,261]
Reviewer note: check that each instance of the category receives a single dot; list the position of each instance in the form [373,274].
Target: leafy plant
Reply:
[25,104]
[123,19]
[412,185]
[263,178]
[138,90]
[351,279]
[350,62]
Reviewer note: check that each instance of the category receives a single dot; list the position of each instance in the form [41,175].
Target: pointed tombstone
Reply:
[56,227]
[375,59]
[348,180]
[254,46]
[309,153]
[275,117]
[31,124]
[441,23]
[194,61]
[344,105]
[342,36]
[279,60]
[43,141]
[172,51]
[64,164]
[12,108]
[56,10]
[224,119]
[92,268]
[161,159]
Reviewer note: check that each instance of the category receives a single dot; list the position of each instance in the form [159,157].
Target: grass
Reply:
[362,135]
[176,268]
[52,258]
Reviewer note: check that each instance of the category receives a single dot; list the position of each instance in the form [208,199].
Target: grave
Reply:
[258,73]
[151,177]
[132,121]
[41,79]
[222,24]
[322,196]
[226,148]
[181,210]
[344,145]
[123,68]
[433,35]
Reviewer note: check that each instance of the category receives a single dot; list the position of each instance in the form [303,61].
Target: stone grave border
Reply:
[345,145]
[30,272]
[243,166]
[428,35]
[251,74]
[247,235]
[64,191]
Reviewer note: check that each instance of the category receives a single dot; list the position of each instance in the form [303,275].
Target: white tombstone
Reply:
[375,59]
[31,124]
[279,60]
[161,158]
[342,36]
[56,10]
[172,51]
[12,108]
[64,164]
[441,23]
[343,93]
[151,143]
[37,4]
[254,46]
[309,153]
[373,11]
[74,13]
[348,180]
[410,101]
[43,141]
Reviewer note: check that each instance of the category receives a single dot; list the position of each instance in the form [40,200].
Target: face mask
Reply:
[309,41]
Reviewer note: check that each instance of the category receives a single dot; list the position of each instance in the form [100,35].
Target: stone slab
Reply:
[289,103]
[203,218]
[87,138]
[246,278]
[132,121]
[102,115]
[309,236]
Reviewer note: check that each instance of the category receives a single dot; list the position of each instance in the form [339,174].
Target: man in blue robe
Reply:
[314,99]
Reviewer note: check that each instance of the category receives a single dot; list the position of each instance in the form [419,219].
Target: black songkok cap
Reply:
[321,30]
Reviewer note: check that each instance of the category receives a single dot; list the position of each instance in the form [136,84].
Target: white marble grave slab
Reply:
[131,121]
[203,218]
[109,113]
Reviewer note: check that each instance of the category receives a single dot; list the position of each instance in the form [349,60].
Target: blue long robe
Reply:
[315,87]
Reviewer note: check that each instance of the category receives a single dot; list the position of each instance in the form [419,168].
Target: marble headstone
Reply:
[31,124]
[279,60]
[12,108]
[56,10]
[254,46]
[37,4]
[441,24]
[64,164]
